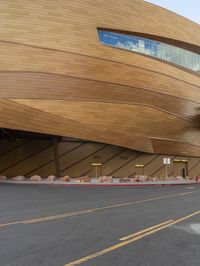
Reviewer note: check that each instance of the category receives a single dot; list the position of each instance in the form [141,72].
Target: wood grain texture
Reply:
[18,117]
[56,77]
[37,157]
[122,118]
[42,86]
[43,20]
[100,70]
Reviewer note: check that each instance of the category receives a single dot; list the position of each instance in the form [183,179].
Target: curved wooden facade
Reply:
[57,78]
[28,157]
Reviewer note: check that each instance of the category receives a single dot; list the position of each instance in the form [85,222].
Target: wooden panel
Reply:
[8,146]
[56,87]
[83,167]
[101,70]
[18,155]
[63,24]
[175,147]
[17,117]
[124,118]
[130,168]
[50,51]
[114,160]
[111,166]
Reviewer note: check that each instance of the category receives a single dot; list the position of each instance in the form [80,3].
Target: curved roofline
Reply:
[171,11]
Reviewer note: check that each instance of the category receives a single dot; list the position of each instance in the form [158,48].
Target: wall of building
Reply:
[28,157]
[57,78]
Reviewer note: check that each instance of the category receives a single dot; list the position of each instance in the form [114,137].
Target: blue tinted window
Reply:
[153,48]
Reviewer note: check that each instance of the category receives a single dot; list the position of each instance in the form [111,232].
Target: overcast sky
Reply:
[187,8]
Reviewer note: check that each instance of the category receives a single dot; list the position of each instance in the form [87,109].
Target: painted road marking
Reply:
[145,230]
[53,217]
[127,242]
[70,214]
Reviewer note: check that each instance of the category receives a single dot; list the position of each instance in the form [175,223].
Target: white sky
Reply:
[187,8]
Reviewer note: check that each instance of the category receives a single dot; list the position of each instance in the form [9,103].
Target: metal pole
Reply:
[96,171]
[56,157]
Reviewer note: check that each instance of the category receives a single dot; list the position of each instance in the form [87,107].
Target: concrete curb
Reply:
[93,184]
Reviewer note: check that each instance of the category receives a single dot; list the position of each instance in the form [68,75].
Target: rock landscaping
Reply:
[51,178]
[19,178]
[65,179]
[137,179]
[3,177]
[35,178]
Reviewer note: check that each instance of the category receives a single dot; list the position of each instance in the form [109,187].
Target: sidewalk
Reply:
[94,182]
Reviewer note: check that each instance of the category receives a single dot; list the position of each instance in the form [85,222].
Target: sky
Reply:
[187,8]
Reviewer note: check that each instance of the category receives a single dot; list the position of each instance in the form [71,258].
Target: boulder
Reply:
[143,178]
[124,180]
[51,178]
[135,179]
[84,179]
[155,178]
[65,179]
[179,178]
[107,179]
[2,177]
[35,178]
[139,178]
[19,178]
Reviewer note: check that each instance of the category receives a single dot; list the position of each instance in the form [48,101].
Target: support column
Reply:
[56,157]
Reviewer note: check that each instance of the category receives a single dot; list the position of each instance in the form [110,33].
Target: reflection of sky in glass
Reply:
[160,50]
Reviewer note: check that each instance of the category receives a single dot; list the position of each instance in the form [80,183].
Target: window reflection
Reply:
[153,48]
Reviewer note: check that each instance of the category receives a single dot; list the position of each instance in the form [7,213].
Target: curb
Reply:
[100,184]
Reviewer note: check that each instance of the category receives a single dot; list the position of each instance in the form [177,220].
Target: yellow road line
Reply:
[127,242]
[145,230]
[70,214]
[47,218]
[53,217]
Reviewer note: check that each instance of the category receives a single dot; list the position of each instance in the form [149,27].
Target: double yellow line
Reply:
[132,238]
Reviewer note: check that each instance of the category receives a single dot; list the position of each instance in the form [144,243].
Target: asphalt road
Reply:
[57,226]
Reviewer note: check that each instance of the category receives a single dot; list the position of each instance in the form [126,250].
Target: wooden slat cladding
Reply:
[18,117]
[54,87]
[100,70]
[56,77]
[56,62]
[122,118]
[70,25]
[174,147]
[76,160]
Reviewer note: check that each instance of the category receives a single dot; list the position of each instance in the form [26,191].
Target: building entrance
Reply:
[181,168]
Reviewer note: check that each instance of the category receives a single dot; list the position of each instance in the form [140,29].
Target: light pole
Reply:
[96,165]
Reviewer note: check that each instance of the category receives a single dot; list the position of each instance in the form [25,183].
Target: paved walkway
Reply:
[115,182]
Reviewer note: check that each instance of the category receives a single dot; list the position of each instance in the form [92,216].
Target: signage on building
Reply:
[166,160]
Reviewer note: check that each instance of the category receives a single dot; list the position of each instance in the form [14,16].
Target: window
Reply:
[152,48]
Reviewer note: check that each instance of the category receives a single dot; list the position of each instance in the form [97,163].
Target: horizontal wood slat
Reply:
[57,78]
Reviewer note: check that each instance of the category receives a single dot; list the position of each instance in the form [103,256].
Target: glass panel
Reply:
[153,48]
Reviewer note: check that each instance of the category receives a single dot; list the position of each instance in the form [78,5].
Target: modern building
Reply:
[117,81]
